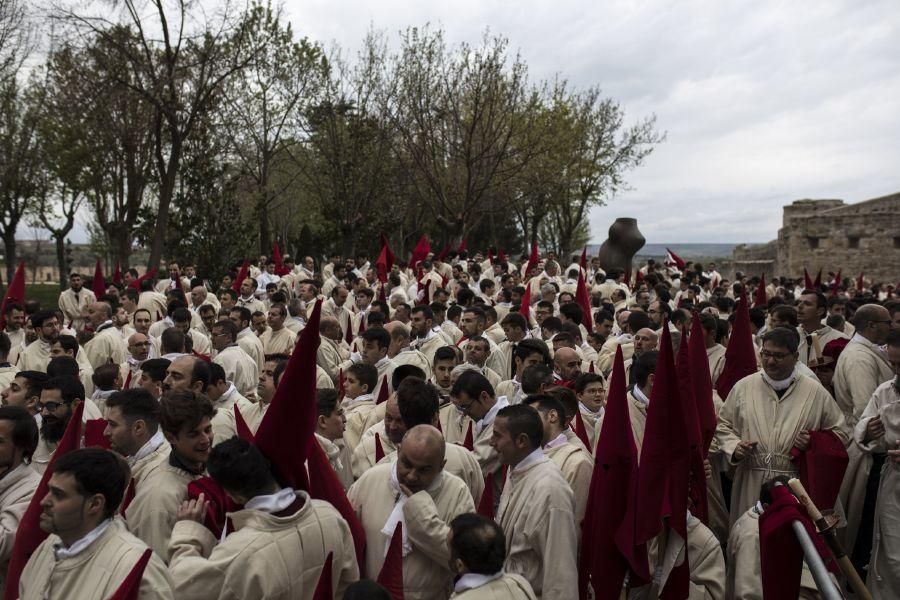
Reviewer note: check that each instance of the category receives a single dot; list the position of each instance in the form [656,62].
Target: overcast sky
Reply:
[763,102]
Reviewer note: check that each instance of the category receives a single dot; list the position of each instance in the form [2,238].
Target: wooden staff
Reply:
[827,531]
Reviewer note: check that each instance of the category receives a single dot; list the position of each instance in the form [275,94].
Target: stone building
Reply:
[831,235]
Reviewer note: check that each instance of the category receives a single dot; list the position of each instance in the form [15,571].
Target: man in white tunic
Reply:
[768,413]
[239,367]
[537,508]
[278,339]
[74,301]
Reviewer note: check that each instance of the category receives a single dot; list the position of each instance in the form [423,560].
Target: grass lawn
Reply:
[46,294]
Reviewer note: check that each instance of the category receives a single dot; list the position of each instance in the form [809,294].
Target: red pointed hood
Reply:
[818,282]
[665,453]
[740,356]
[242,275]
[420,252]
[469,441]
[702,382]
[117,274]
[240,425]
[14,293]
[385,261]
[807,280]
[697,483]
[608,549]
[583,261]
[533,259]
[836,284]
[525,307]
[384,392]
[391,575]
[859,283]
[379,449]
[136,284]
[325,485]
[583,299]
[759,298]
[285,434]
[130,587]
[98,284]
[486,503]
[581,431]
[324,586]
[29,534]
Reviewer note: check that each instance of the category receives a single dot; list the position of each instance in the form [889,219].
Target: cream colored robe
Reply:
[509,388]
[339,457]
[239,368]
[7,374]
[106,347]
[716,356]
[278,342]
[16,489]
[223,424]
[44,451]
[329,357]
[16,344]
[491,376]
[426,569]
[858,372]
[577,467]
[508,587]
[825,334]
[459,462]
[537,515]
[35,357]
[495,333]
[96,572]
[73,308]
[415,358]
[155,303]
[607,354]
[253,304]
[276,558]
[883,579]
[250,344]
[360,414]
[159,490]
[454,424]
[637,413]
[744,579]
[753,412]
[429,347]
[501,360]
[364,452]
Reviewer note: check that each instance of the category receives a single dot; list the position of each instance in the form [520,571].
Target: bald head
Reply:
[98,312]
[645,340]
[423,443]
[873,322]
[566,363]
[139,346]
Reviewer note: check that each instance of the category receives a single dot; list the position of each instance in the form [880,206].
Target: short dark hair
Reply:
[524,420]
[418,402]
[68,343]
[183,409]
[216,373]
[427,313]
[445,353]
[156,368]
[644,366]
[637,320]
[34,382]
[243,311]
[514,319]
[240,468]
[326,401]
[535,375]
[783,337]
[227,327]
[404,371]
[479,543]
[136,404]
[572,311]
[24,429]
[38,318]
[172,340]
[104,376]
[70,388]
[526,348]
[96,471]
[366,374]
[378,335]
[473,384]
[586,379]
[546,402]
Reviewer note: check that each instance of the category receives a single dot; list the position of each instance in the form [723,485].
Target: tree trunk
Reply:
[166,192]
[60,243]
[9,245]
[265,228]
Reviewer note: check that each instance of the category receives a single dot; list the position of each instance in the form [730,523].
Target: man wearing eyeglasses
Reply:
[138,352]
[861,368]
[59,397]
[769,413]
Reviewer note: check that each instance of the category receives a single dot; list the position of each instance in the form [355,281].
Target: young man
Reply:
[18,481]
[590,389]
[536,508]
[358,403]
[279,544]
[474,397]
[330,425]
[89,552]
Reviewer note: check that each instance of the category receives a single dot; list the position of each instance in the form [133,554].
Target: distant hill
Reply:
[686,251]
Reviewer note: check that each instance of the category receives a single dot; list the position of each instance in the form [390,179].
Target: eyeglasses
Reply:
[139,344]
[50,406]
[778,356]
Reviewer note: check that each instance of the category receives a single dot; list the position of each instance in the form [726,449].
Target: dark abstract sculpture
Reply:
[623,243]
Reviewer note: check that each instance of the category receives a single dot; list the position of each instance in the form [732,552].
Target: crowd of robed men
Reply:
[467,382]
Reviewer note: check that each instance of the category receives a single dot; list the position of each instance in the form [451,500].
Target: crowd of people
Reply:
[459,404]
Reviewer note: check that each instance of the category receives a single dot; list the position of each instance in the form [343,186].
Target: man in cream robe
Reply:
[878,430]
[89,551]
[18,482]
[416,492]
[249,343]
[107,346]
[473,396]
[769,413]
[331,354]
[574,462]
[427,337]
[536,508]
[239,367]
[389,432]
[811,309]
[860,369]
[278,339]
[225,398]
[74,302]
[279,545]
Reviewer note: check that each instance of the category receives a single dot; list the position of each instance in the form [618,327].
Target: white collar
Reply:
[859,339]
[102,394]
[536,457]
[470,581]
[60,552]
[556,442]
[640,396]
[245,332]
[148,448]
[397,515]
[381,362]
[758,508]
[779,386]
[491,414]
[272,503]
[351,402]
[587,411]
